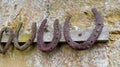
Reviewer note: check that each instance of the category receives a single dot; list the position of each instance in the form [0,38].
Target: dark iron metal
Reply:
[57,35]
[29,41]
[93,37]
[3,49]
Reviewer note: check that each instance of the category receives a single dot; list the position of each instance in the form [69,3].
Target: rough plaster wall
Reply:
[29,11]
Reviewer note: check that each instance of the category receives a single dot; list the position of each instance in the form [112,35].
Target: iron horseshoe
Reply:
[57,35]
[93,37]
[29,41]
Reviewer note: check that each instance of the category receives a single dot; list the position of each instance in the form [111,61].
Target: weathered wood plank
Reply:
[74,34]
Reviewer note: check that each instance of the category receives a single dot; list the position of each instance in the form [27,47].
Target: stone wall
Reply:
[29,11]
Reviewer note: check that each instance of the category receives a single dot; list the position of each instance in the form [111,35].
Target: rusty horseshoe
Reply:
[93,37]
[57,35]
[3,49]
[29,41]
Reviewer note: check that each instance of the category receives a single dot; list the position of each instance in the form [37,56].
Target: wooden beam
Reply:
[74,34]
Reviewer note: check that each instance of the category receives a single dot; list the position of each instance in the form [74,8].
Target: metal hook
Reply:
[57,35]
[29,41]
[93,37]
[4,49]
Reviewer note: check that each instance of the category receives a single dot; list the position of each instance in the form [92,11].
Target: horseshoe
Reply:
[4,49]
[29,41]
[93,37]
[57,35]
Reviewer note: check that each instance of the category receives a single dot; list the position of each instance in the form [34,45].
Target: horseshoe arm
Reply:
[93,37]
[29,41]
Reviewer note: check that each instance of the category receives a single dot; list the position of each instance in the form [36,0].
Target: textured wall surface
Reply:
[29,11]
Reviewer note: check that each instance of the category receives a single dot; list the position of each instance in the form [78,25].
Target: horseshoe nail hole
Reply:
[97,31]
[51,48]
[79,34]
[56,38]
[91,41]
[68,41]
[95,35]
[99,24]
